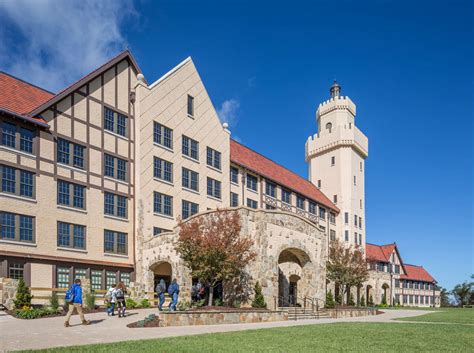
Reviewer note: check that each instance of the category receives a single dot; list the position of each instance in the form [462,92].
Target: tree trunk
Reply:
[211,295]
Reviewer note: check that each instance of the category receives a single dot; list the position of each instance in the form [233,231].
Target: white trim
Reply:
[214,168]
[70,167]
[251,190]
[214,198]
[234,183]
[190,116]
[14,242]
[163,215]
[116,218]
[190,190]
[116,180]
[17,197]
[116,135]
[116,255]
[163,181]
[14,150]
[163,147]
[69,208]
[169,73]
[190,158]
[63,248]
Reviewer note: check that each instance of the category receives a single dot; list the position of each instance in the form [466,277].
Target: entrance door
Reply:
[293,292]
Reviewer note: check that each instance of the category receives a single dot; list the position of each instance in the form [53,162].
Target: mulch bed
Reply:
[225,308]
[154,323]
[64,312]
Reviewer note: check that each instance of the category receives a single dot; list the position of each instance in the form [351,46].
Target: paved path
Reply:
[16,334]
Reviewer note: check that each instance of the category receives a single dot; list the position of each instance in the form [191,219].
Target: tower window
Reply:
[355,220]
[346,217]
[346,235]
[335,198]
[360,203]
[329,126]
[355,180]
[355,238]
[360,163]
[190,105]
[333,161]
[319,183]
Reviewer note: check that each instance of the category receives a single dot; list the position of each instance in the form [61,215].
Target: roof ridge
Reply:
[28,83]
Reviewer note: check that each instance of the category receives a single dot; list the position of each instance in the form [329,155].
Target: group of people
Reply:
[116,296]
[198,291]
[173,291]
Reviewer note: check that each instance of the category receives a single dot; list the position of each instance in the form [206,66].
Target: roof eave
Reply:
[25,118]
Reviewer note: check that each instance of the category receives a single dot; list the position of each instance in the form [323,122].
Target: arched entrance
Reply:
[293,280]
[368,293]
[161,270]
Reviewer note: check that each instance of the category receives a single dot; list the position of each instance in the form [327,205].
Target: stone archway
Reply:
[162,270]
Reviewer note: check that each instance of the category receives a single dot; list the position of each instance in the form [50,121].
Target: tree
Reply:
[330,303]
[362,300]
[23,295]
[213,249]
[384,300]
[346,266]
[385,286]
[462,293]
[259,299]
[351,301]
[444,296]
[370,302]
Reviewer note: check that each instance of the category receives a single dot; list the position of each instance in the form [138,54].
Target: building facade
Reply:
[96,178]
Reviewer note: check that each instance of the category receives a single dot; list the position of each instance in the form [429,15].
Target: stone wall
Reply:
[192,318]
[8,288]
[356,312]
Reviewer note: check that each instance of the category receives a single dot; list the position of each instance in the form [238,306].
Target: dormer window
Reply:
[329,126]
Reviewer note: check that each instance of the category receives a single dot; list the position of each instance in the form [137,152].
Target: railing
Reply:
[307,305]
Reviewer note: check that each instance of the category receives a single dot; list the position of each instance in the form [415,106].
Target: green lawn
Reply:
[346,337]
[451,315]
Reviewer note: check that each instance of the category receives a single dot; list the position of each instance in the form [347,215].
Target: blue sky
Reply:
[267,65]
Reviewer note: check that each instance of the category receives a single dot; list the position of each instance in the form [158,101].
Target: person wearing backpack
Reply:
[160,290]
[173,291]
[111,299]
[74,300]
[120,295]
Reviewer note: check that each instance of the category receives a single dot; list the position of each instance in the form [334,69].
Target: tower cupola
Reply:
[335,90]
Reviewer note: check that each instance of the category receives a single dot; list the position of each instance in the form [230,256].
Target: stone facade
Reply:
[8,289]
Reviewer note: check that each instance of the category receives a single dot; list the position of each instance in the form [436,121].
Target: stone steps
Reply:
[304,314]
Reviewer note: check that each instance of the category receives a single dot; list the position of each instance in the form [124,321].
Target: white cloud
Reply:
[228,111]
[54,43]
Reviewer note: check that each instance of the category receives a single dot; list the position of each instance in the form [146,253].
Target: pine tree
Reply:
[330,303]
[259,299]
[23,295]
[362,301]
[384,300]
[351,300]
[371,301]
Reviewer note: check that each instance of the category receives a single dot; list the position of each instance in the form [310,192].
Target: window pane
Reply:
[26,140]
[109,166]
[26,183]
[78,161]
[79,237]
[121,243]
[234,175]
[168,137]
[121,124]
[15,271]
[108,241]
[109,203]
[80,273]
[8,225]
[79,196]
[121,169]
[8,179]
[63,234]
[26,228]
[121,206]
[108,119]
[111,278]
[190,105]
[63,193]
[96,279]
[63,151]
[8,134]
[62,277]
[125,278]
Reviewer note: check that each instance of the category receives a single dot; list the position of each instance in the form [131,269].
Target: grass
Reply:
[448,315]
[341,337]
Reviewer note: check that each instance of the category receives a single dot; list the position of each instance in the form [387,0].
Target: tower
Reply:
[335,157]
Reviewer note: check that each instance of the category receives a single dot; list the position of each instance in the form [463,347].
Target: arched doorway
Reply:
[368,294]
[293,280]
[161,270]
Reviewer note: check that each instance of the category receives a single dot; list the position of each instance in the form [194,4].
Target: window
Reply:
[360,222]
[329,126]
[70,153]
[115,167]
[163,204]
[334,198]
[312,207]
[157,231]
[319,184]
[71,235]
[346,235]
[252,203]
[62,277]
[355,220]
[360,166]
[355,180]
[72,195]
[190,105]
[190,148]
[346,217]
[213,158]
[300,202]
[125,278]
[286,196]
[17,137]
[16,227]
[355,238]
[322,213]
[80,273]
[360,239]
[190,179]
[110,278]
[234,199]
[115,242]
[270,188]
[162,135]
[333,161]
[360,203]
[213,188]
[189,209]
[115,205]
[332,217]
[15,271]
[234,175]
[96,279]
[252,182]
[332,235]
[115,122]
[17,181]
[162,169]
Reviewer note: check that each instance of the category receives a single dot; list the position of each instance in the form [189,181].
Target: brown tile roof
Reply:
[417,273]
[255,162]
[380,253]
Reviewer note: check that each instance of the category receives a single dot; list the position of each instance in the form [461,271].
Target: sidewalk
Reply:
[50,332]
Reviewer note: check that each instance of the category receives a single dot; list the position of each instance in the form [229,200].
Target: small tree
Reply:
[384,300]
[462,293]
[444,296]
[362,301]
[330,303]
[351,301]
[339,298]
[23,295]
[259,299]
[54,301]
[213,249]
[370,302]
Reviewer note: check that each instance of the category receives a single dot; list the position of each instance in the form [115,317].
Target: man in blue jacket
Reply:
[173,291]
[76,303]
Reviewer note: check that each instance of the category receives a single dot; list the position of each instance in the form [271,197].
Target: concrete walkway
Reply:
[16,334]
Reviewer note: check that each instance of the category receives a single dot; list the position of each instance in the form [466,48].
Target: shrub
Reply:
[200,303]
[236,304]
[34,313]
[54,301]
[141,323]
[259,299]
[23,295]
[145,303]
[130,303]
[384,300]
[371,301]
[330,303]
[218,302]
[90,300]
[339,299]
[362,301]
[351,300]
[183,305]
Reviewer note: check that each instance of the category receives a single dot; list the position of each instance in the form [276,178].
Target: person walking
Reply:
[173,291]
[160,290]
[120,294]
[111,299]
[74,299]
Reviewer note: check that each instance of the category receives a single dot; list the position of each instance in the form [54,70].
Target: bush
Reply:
[351,300]
[200,303]
[362,301]
[218,302]
[23,295]
[54,301]
[131,304]
[183,305]
[338,298]
[330,303]
[90,300]
[33,313]
[144,303]
[384,300]
[371,301]
[259,299]
[236,304]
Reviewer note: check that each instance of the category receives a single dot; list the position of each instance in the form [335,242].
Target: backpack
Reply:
[69,295]
[119,293]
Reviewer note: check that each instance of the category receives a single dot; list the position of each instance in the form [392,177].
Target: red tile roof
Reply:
[20,97]
[255,162]
[380,253]
[417,273]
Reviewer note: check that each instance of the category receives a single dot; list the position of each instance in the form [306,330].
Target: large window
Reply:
[213,188]
[346,235]
[300,202]
[16,271]
[110,278]
[346,217]
[234,175]
[332,217]
[96,279]
[312,207]
[18,182]
[162,169]
[252,203]
[115,122]
[125,278]
[189,209]
[286,196]
[190,105]
[72,195]
[17,137]
[213,158]
[70,153]
[115,205]
[115,167]
[190,148]
[270,188]
[234,199]
[252,182]
[332,235]
[322,213]
[190,179]
[62,277]
[162,135]
[163,204]
[115,242]
[16,227]
[71,236]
